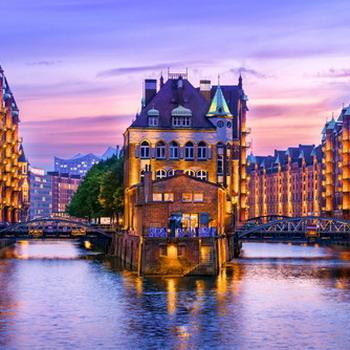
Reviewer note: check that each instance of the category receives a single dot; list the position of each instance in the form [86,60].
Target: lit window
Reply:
[189,151]
[174,150]
[202,175]
[190,173]
[160,150]
[160,174]
[198,197]
[187,197]
[142,176]
[144,150]
[169,197]
[202,150]
[157,197]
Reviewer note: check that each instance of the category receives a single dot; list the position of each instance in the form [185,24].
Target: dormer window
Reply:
[153,117]
[181,117]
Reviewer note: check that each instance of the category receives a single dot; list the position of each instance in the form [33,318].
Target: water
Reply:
[275,297]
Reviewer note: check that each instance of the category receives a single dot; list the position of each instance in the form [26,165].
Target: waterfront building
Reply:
[336,166]
[63,188]
[305,180]
[289,183]
[80,164]
[14,185]
[40,194]
[200,132]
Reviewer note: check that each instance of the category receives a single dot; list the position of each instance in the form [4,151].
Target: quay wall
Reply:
[5,243]
[173,256]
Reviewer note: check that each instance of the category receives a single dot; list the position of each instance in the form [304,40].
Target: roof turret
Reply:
[153,112]
[218,106]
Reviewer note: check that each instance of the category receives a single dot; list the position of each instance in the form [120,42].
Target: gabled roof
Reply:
[218,106]
[171,96]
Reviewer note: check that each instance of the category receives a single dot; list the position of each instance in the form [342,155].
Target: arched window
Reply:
[202,150]
[202,175]
[160,150]
[174,150]
[171,172]
[189,151]
[160,174]
[144,150]
[190,173]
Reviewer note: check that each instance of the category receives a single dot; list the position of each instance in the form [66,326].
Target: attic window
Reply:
[153,121]
[181,121]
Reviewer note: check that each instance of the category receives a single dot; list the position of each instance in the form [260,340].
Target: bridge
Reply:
[46,228]
[306,229]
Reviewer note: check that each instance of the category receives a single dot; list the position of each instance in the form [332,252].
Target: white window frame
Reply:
[160,150]
[174,150]
[161,174]
[202,175]
[202,151]
[145,151]
[189,151]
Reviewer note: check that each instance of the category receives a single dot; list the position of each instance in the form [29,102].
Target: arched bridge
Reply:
[52,228]
[308,228]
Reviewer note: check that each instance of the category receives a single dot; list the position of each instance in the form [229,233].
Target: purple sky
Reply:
[76,66]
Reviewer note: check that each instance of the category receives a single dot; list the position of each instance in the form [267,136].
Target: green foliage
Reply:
[101,192]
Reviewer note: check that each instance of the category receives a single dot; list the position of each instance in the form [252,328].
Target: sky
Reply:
[76,67]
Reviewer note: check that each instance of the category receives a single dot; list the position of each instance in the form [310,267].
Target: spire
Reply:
[218,106]
[161,79]
[240,81]
[22,157]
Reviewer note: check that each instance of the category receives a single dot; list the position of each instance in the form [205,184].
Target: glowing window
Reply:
[187,197]
[169,197]
[157,197]
[198,197]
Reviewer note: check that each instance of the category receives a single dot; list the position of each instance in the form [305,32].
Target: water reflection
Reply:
[268,299]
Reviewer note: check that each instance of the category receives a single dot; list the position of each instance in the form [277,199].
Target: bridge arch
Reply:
[300,228]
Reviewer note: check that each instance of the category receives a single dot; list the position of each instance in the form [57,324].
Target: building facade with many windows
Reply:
[14,184]
[200,132]
[305,180]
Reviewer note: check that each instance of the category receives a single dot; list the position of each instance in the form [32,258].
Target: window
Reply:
[181,250]
[187,197]
[198,197]
[142,176]
[181,121]
[160,150]
[144,150]
[220,124]
[168,197]
[171,172]
[189,151]
[202,175]
[174,150]
[157,197]
[202,150]
[220,159]
[190,173]
[160,174]
[153,121]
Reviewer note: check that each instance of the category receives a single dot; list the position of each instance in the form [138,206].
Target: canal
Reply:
[53,296]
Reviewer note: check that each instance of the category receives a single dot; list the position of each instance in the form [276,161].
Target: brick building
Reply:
[305,180]
[14,184]
[288,183]
[199,131]
[181,203]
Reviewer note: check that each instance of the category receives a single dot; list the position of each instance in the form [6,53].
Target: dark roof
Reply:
[169,97]
[22,157]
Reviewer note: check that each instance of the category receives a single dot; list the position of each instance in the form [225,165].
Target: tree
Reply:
[101,191]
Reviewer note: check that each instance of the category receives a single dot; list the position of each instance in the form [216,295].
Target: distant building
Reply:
[63,188]
[305,180]
[80,164]
[40,194]
[287,183]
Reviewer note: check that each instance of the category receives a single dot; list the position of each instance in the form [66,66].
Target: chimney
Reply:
[147,186]
[150,90]
[205,89]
